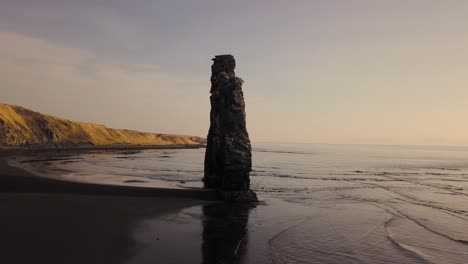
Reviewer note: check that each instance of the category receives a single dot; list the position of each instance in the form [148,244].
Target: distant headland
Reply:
[21,128]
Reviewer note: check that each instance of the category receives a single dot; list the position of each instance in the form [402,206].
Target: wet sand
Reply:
[51,221]
[14,179]
[320,204]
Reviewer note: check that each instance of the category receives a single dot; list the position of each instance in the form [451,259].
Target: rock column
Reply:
[228,158]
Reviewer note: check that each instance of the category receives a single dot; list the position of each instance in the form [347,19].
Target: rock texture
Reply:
[23,128]
[228,159]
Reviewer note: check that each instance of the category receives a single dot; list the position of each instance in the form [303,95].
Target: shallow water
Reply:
[321,203]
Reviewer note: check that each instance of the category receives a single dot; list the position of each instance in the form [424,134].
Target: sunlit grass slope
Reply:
[22,127]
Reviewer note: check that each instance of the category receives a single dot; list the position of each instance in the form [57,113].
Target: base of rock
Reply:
[248,197]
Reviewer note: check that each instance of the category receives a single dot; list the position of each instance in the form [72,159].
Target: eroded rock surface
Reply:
[228,159]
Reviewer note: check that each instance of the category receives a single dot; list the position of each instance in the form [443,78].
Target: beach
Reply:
[51,221]
[318,204]
[64,228]
[233,132]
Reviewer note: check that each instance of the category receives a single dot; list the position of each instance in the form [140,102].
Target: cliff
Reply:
[21,127]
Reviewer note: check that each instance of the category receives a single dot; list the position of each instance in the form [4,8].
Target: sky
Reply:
[331,71]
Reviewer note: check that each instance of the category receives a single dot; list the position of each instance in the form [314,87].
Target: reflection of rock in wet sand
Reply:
[224,232]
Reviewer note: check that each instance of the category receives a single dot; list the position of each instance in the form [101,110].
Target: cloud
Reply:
[16,47]
[77,84]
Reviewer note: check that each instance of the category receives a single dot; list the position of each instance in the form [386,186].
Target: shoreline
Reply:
[17,180]
[50,220]
[56,221]
[37,149]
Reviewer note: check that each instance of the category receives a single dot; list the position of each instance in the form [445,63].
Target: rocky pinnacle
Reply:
[228,158]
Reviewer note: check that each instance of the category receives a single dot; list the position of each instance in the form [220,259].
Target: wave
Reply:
[433,246]
[401,246]
[283,151]
[49,160]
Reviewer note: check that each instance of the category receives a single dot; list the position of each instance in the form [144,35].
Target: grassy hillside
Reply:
[21,127]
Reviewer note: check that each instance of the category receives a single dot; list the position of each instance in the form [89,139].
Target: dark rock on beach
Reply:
[228,159]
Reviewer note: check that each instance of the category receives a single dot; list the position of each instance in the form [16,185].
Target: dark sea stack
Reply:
[228,158]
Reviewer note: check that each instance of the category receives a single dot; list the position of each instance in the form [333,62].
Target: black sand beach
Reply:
[14,179]
[319,204]
[51,221]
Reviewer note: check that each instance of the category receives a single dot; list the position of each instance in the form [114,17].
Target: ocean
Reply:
[319,203]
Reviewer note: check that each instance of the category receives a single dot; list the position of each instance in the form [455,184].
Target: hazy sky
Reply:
[349,71]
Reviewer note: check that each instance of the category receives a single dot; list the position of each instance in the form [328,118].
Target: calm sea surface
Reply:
[321,203]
